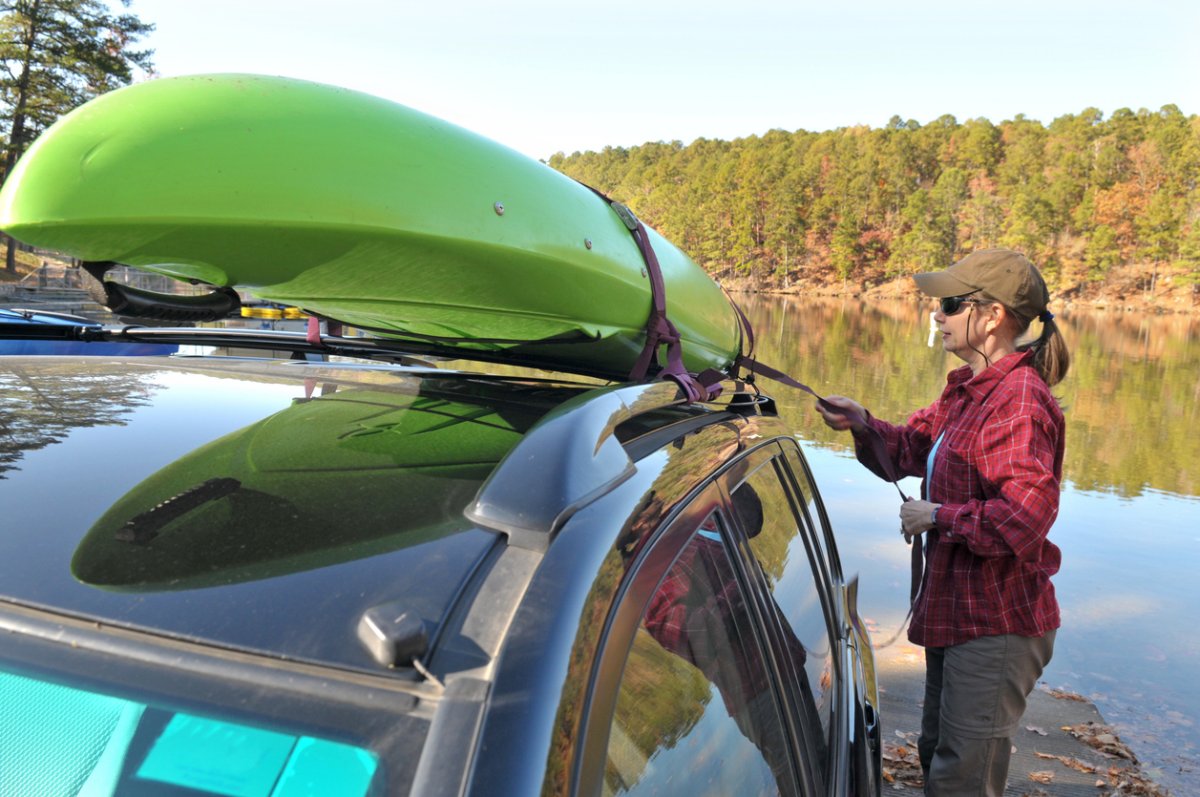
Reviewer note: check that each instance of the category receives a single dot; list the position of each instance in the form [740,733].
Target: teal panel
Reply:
[217,757]
[319,768]
[52,737]
[58,741]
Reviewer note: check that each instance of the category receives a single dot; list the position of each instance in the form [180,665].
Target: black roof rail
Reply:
[572,457]
[387,349]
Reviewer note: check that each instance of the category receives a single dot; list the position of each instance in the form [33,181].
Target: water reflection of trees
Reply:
[1132,397]
[41,402]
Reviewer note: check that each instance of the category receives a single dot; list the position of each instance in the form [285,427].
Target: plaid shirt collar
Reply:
[979,387]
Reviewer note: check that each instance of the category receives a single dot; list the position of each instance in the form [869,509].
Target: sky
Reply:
[547,76]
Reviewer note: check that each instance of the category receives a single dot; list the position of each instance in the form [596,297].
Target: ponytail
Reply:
[1050,355]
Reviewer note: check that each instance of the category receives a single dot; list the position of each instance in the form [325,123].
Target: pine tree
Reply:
[55,55]
[1158,230]
[843,248]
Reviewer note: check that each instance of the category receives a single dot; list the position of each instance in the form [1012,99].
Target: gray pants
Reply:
[974,698]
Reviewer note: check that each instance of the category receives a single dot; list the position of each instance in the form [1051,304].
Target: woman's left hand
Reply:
[916,517]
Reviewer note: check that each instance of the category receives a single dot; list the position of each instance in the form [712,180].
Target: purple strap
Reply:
[313,330]
[874,439]
[659,329]
[748,332]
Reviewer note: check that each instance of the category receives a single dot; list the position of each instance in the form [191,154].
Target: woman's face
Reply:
[963,329]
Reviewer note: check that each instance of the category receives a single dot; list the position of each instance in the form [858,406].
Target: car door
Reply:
[722,690]
[697,708]
[794,578]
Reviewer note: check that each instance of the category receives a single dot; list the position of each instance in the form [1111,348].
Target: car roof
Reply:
[272,505]
[259,505]
[395,525]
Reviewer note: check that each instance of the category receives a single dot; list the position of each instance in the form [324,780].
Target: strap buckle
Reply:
[631,221]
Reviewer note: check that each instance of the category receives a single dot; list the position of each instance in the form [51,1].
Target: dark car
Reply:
[49,342]
[360,575]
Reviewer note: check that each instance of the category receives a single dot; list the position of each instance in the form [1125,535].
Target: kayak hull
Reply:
[357,209]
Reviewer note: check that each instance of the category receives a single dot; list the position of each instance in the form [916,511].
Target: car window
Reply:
[695,713]
[789,566]
[813,511]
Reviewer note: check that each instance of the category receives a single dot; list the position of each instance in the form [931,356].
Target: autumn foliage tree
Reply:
[1084,196]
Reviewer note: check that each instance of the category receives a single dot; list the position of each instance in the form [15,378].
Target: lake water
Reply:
[1129,523]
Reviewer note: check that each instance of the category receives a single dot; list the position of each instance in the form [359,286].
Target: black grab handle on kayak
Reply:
[124,300]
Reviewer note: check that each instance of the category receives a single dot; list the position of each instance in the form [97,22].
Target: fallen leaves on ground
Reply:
[1102,738]
[902,763]
[1063,694]
[1124,781]
[1131,783]
[1069,762]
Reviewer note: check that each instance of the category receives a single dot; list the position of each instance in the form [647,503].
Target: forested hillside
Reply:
[1098,203]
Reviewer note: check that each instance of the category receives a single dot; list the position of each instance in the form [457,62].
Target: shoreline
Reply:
[1063,746]
[1169,299]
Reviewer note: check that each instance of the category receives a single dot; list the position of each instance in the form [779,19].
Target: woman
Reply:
[990,450]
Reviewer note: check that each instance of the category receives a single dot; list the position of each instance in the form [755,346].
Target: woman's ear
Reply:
[997,315]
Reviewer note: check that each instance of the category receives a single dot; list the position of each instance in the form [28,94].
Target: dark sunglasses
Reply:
[952,304]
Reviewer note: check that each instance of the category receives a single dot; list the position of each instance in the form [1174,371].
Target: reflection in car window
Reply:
[767,515]
[695,713]
[808,498]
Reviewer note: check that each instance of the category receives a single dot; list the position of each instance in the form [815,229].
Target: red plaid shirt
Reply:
[996,474]
[694,614]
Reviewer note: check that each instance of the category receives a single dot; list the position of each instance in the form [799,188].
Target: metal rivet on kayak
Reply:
[587,242]
[643,272]
[499,206]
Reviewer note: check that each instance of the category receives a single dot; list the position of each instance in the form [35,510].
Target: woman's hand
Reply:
[839,420]
[916,517]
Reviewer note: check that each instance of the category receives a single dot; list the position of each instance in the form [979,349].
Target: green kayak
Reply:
[358,209]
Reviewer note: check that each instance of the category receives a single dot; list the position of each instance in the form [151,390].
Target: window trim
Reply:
[798,468]
[630,606]
[621,624]
[784,457]
[828,588]
[829,599]
[795,465]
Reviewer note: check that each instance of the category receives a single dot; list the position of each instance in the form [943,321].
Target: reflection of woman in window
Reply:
[699,614]
[991,452]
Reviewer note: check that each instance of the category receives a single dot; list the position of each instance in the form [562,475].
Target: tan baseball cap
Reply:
[1006,276]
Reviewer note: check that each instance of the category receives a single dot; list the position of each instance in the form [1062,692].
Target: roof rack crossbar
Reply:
[373,348]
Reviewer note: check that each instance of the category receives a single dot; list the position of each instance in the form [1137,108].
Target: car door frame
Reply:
[647,571]
[829,590]
[863,741]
